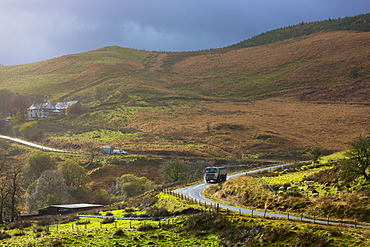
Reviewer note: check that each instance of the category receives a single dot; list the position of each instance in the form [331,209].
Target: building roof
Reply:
[39,106]
[74,206]
[65,105]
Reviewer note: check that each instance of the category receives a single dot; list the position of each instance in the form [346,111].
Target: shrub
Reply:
[18,225]
[307,239]
[39,229]
[118,233]
[146,227]
[302,204]
[129,210]
[4,235]
[17,234]
[108,220]
[85,222]
[45,222]
[155,212]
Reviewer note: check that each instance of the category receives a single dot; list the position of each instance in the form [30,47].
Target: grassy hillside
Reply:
[285,96]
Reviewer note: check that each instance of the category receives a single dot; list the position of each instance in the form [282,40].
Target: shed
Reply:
[67,208]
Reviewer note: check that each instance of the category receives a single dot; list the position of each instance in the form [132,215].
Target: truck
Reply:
[215,174]
[107,149]
[112,150]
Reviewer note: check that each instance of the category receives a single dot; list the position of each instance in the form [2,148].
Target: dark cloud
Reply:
[41,29]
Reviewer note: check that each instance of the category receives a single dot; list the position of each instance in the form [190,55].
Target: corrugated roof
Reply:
[64,105]
[78,205]
[39,106]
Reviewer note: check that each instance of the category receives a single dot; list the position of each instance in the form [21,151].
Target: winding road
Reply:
[195,192]
[33,144]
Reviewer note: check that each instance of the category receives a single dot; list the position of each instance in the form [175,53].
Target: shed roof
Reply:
[64,105]
[74,206]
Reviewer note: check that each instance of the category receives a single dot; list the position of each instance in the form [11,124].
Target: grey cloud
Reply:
[40,29]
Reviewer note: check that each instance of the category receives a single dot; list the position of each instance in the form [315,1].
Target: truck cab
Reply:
[215,174]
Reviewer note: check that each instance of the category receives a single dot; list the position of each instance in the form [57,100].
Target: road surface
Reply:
[195,192]
[33,144]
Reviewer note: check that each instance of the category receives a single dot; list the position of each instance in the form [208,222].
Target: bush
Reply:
[129,215]
[83,222]
[146,227]
[45,222]
[4,235]
[18,225]
[108,220]
[299,205]
[155,212]
[307,238]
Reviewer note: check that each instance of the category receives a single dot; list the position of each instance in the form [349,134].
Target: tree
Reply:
[174,170]
[5,98]
[18,106]
[358,163]
[49,188]
[4,188]
[9,189]
[73,174]
[102,197]
[15,190]
[36,164]
[30,131]
[129,185]
[315,153]
[74,109]
[92,149]
[75,178]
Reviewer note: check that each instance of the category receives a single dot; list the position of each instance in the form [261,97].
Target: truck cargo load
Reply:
[107,149]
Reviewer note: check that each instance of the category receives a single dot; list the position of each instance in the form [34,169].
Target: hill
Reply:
[357,23]
[286,96]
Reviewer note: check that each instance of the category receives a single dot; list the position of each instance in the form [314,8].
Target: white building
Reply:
[41,110]
[44,110]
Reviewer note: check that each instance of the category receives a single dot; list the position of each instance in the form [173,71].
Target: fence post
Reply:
[264,214]
[252,213]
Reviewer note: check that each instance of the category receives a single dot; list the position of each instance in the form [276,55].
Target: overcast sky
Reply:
[36,30]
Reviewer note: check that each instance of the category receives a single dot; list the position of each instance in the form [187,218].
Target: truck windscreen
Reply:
[210,170]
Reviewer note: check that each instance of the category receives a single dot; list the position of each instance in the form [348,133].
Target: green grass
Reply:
[98,234]
[200,230]
[103,136]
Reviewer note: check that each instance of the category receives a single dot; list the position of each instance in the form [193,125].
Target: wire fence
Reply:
[214,207]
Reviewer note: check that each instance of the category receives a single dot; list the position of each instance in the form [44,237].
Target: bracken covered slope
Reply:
[289,95]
